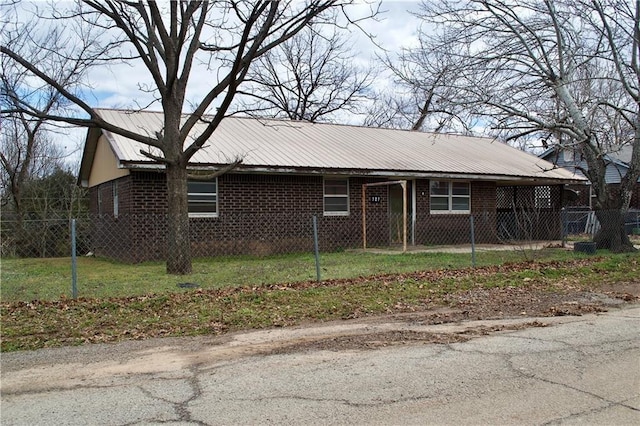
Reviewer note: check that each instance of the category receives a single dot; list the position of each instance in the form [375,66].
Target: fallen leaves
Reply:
[510,290]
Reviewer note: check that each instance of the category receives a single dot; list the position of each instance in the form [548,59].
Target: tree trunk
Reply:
[178,241]
[611,215]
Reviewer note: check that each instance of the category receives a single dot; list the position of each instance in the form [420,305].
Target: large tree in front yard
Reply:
[170,42]
[565,72]
[618,23]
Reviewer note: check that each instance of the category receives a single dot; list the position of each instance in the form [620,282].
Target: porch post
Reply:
[364,217]
[404,216]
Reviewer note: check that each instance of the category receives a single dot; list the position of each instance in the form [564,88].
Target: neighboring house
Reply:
[292,171]
[570,159]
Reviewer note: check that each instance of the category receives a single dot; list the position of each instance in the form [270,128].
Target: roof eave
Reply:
[503,179]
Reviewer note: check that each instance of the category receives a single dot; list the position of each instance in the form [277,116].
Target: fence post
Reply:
[316,247]
[565,226]
[74,266]
[473,243]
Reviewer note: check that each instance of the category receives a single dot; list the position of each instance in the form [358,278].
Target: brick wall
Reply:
[456,228]
[266,214]
[110,235]
[483,208]
[148,193]
[257,214]
[138,232]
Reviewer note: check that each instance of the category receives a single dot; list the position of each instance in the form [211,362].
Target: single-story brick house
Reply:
[292,171]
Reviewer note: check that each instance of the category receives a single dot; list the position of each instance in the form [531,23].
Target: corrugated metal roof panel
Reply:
[265,143]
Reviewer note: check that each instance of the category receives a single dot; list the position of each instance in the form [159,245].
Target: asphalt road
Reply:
[566,370]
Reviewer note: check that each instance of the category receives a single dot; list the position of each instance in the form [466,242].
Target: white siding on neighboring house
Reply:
[615,170]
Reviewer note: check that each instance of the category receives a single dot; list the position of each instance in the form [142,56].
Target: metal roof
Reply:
[270,145]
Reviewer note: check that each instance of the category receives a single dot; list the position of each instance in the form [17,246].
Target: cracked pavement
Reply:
[561,370]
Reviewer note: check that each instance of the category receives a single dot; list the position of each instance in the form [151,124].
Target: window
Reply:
[450,197]
[336,196]
[115,198]
[543,197]
[202,198]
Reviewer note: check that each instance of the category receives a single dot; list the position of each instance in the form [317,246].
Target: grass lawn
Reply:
[50,279]
[121,301]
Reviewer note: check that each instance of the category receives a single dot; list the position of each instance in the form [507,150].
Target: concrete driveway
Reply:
[565,370]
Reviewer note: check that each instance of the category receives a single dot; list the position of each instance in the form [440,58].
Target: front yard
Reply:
[50,279]
[139,301]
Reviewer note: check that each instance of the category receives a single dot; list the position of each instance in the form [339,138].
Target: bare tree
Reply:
[26,153]
[547,70]
[170,42]
[619,25]
[426,93]
[309,77]
[391,109]
[26,148]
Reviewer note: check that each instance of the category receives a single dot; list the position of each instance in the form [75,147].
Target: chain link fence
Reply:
[584,222]
[43,238]
[138,238]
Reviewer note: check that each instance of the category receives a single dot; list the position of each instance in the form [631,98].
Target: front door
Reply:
[395,213]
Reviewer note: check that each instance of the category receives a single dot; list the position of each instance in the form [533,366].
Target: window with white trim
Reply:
[449,197]
[203,198]
[336,196]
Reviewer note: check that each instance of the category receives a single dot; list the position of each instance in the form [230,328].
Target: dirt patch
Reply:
[477,313]
[397,337]
[371,341]
[476,304]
